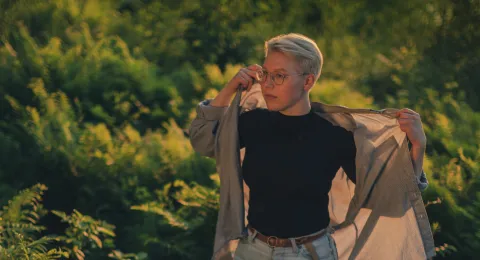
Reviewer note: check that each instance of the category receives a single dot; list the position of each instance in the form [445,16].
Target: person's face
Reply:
[284,96]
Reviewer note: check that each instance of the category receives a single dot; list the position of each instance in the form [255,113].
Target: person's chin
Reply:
[272,106]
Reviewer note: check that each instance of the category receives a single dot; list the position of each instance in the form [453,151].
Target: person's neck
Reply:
[302,107]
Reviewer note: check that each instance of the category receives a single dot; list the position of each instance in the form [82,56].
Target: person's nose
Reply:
[269,82]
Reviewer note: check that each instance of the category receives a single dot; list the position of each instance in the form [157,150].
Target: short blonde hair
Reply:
[302,48]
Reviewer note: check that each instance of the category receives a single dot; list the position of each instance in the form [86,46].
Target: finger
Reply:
[405,121]
[408,110]
[406,115]
[250,82]
[255,67]
[247,80]
[241,81]
[255,75]
[247,76]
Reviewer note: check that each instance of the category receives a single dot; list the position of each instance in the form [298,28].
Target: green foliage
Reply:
[186,211]
[83,231]
[452,128]
[82,69]
[336,91]
[153,159]
[20,228]
[95,98]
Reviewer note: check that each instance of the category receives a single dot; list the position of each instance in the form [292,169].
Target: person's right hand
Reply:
[245,78]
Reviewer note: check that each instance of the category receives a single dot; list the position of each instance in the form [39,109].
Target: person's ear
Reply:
[309,82]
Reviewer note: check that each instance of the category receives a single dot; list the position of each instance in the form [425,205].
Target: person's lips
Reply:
[268,96]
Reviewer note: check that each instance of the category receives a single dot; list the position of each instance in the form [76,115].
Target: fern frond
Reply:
[25,207]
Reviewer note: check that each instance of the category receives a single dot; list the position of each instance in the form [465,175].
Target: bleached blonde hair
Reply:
[302,48]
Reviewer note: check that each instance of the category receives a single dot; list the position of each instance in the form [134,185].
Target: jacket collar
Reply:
[336,114]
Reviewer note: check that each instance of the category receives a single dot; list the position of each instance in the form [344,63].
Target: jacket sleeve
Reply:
[203,128]
[422,181]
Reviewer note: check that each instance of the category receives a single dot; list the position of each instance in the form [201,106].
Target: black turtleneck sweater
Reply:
[289,165]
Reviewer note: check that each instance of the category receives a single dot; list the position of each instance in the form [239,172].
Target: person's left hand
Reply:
[411,123]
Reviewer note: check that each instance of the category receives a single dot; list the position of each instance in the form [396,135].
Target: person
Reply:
[292,155]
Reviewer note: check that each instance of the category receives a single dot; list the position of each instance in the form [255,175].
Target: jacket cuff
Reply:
[209,112]
[422,181]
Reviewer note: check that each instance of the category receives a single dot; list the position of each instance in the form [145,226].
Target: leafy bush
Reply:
[20,230]
[95,97]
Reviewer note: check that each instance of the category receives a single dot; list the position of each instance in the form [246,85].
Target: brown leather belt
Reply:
[273,241]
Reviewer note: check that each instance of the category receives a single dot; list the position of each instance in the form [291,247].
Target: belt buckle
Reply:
[268,241]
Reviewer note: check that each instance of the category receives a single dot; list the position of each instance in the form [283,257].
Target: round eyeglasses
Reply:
[276,77]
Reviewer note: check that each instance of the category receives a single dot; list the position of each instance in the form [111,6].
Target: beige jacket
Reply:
[381,217]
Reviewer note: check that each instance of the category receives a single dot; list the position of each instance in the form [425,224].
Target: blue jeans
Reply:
[250,248]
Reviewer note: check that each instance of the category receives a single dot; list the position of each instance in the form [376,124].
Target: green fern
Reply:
[84,230]
[192,215]
[18,228]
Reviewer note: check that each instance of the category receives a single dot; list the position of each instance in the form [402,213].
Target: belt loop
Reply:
[294,245]
[250,238]
[312,251]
